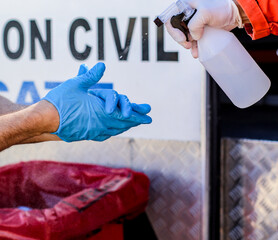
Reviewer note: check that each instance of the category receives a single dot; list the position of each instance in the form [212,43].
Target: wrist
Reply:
[28,123]
[45,116]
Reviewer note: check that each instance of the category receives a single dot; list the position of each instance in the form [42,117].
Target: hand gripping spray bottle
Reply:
[225,59]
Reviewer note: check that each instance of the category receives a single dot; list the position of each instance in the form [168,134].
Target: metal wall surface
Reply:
[249,189]
[175,169]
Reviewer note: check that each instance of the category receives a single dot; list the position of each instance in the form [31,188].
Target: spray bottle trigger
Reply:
[178,21]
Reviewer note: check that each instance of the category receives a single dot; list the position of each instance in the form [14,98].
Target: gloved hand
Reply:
[215,13]
[93,114]
[180,38]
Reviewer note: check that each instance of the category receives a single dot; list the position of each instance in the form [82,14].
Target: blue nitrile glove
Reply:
[93,114]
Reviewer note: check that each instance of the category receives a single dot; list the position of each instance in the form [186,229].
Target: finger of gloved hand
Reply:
[119,122]
[139,118]
[109,96]
[125,106]
[177,35]
[194,49]
[197,23]
[82,69]
[92,76]
[141,108]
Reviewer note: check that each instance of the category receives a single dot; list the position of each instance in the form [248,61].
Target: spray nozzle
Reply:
[174,9]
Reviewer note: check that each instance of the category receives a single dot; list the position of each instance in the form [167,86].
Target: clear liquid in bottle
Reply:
[231,66]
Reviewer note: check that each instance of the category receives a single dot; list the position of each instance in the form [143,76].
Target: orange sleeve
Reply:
[263,15]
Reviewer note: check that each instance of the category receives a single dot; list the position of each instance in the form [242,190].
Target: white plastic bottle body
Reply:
[231,66]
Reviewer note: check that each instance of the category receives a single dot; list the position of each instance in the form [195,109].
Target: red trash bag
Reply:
[67,200]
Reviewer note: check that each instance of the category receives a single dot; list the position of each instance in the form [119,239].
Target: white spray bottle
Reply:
[225,59]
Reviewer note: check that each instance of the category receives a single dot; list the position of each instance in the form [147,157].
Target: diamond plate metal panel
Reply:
[174,168]
[175,200]
[249,190]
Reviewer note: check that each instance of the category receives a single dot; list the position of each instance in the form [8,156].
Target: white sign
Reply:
[44,42]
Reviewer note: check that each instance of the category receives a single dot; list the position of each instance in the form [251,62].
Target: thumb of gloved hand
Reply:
[90,77]
[82,69]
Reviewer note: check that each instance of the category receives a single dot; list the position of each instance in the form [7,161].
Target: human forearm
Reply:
[30,123]
[7,106]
